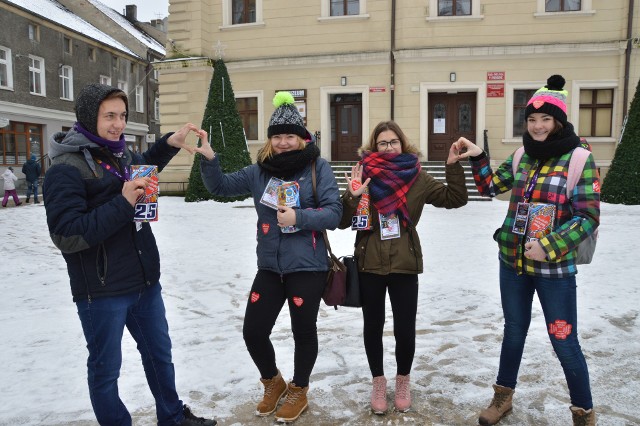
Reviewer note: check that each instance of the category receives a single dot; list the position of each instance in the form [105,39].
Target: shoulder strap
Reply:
[315,196]
[576,165]
[516,159]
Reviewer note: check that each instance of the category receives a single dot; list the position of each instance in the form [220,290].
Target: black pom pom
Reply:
[555,82]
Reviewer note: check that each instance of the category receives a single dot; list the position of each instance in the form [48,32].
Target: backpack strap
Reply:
[576,165]
[516,159]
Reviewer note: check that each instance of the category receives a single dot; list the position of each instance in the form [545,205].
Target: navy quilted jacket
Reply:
[91,222]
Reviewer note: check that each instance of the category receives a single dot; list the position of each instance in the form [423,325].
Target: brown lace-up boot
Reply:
[294,404]
[274,389]
[500,405]
[582,417]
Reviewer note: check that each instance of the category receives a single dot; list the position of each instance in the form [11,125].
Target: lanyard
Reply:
[123,177]
[532,184]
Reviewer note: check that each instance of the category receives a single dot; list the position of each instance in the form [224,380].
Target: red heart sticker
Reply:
[265,228]
[298,301]
[537,104]
[355,185]
[254,297]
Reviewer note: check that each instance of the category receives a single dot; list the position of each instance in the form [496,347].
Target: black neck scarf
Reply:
[556,145]
[286,164]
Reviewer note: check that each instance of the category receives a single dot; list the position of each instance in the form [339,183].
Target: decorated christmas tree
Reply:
[226,136]
[622,183]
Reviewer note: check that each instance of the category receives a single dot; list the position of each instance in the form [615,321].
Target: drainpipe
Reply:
[627,59]
[392,58]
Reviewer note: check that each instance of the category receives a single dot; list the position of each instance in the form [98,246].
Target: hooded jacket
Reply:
[9,180]
[31,169]
[91,222]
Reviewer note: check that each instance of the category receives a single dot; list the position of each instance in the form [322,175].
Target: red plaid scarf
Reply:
[391,177]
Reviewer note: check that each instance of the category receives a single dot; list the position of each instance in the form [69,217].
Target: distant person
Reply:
[32,170]
[10,187]
[292,257]
[384,201]
[113,262]
[537,244]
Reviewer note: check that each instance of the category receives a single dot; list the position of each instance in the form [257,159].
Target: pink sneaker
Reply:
[403,393]
[379,395]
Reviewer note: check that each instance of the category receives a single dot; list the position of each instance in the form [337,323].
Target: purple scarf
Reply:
[116,148]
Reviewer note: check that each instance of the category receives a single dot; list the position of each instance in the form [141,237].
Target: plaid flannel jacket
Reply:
[576,217]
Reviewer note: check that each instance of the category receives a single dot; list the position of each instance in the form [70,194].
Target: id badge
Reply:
[389,226]
[522,217]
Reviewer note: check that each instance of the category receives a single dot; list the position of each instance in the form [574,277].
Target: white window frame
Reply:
[476,12]
[227,19]
[139,98]
[509,90]
[37,73]
[8,64]
[576,86]
[586,9]
[104,79]
[122,85]
[259,94]
[325,12]
[66,82]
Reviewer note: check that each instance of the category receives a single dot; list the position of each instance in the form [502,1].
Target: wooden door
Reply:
[450,117]
[346,127]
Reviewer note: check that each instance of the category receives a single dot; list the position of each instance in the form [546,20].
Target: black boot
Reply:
[35,201]
[191,420]
[27,199]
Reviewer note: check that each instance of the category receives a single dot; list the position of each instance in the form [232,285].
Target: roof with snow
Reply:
[144,38]
[55,12]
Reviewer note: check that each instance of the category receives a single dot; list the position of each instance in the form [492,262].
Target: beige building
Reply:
[440,68]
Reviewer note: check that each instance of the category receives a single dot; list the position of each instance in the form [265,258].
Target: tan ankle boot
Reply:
[582,417]
[274,389]
[379,395]
[500,405]
[403,393]
[294,404]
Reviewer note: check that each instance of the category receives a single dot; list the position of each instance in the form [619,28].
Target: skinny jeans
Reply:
[403,294]
[302,291]
[558,300]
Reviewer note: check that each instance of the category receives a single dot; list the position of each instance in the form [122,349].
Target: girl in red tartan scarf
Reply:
[386,194]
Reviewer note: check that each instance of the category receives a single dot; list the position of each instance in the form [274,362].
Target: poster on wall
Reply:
[438,125]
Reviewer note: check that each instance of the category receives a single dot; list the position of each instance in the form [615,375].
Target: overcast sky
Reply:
[147,9]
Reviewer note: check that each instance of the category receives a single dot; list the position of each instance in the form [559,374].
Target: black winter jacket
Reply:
[90,221]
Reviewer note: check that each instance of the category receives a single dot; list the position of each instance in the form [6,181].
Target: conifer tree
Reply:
[622,183]
[227,138]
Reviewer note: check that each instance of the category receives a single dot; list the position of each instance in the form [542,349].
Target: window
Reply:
[156,108]
[18,141]
[34,32]
[155,75]
[345,7]
[454,7]
[6,68]
[92,54]
[562,5]
[139,99]
[67,45]
[596,112]
[36,76]
[243,11]
[66,82]
[122,85]
[248,110]
[105,80]
[520,99]
[115,61]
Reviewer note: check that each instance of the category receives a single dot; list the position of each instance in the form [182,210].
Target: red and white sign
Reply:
[377,89]
[495,90]
[495,75]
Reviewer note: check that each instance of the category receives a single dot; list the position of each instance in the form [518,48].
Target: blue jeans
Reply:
[558,300]
[103,321]
[32,187]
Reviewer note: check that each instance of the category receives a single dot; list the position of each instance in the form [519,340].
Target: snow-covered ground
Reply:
[208,264]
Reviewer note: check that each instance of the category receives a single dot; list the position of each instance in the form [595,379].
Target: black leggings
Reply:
[303,291]
[403,294]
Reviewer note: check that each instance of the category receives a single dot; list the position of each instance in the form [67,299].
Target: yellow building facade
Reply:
[441,69]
